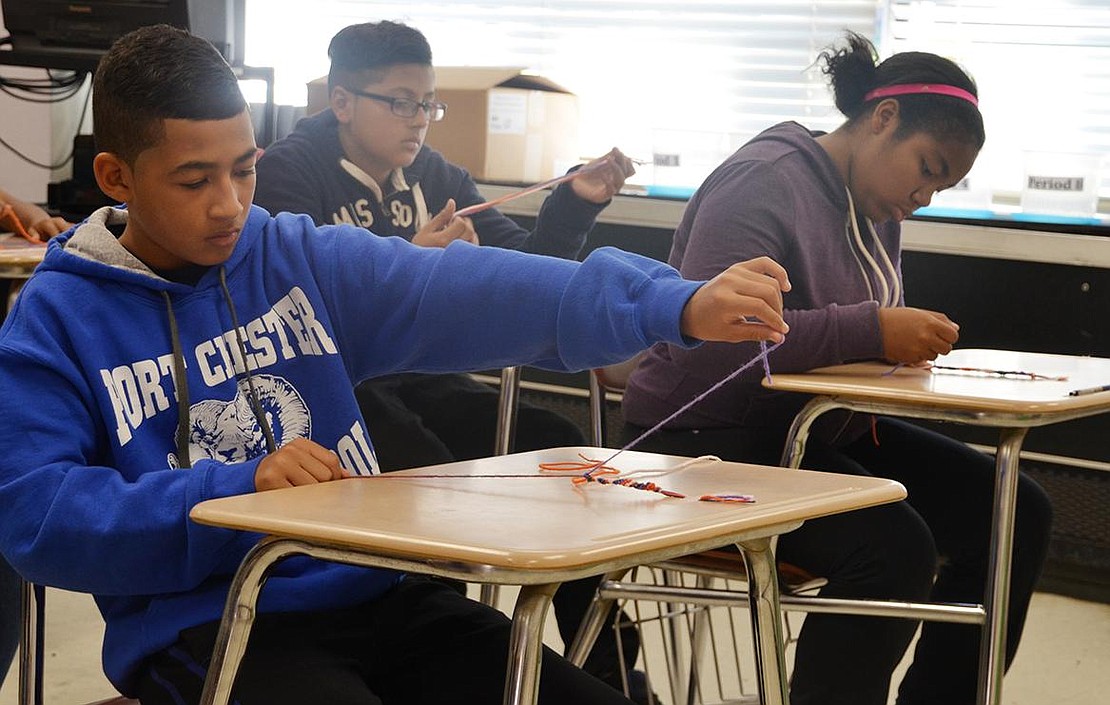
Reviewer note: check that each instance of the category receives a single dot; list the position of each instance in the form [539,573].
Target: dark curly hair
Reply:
[853,73]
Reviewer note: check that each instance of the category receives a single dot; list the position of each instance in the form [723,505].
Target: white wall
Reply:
[30,128]
[27,127]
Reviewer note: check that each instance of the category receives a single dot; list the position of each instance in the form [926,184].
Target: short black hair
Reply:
[853,73]
[359,53]
[153,74]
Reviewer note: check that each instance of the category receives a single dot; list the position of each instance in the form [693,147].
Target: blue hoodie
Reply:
[101,464]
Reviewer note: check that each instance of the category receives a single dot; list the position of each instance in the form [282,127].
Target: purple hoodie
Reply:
[781,196]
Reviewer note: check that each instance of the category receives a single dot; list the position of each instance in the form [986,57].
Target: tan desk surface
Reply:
[542,523]
[964,391]
[19,257]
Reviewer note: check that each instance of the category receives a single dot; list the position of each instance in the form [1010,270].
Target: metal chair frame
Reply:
[32,639]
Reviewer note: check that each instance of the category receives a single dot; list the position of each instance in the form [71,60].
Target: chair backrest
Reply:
[605,381]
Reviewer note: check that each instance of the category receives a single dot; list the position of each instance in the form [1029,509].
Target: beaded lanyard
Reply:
[982,371]
[596,470]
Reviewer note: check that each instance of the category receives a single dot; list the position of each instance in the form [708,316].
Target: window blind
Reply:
[699,78]
[1043,71]
[691,78]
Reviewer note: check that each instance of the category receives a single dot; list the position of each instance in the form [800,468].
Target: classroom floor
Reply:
[1062,658]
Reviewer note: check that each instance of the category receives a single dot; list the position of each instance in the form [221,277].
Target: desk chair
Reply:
[31,647]
[690,583]
[695,606]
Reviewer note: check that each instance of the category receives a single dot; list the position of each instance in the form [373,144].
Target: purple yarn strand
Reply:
[764,353]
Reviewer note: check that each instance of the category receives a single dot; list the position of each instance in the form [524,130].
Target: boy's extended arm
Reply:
[468,308]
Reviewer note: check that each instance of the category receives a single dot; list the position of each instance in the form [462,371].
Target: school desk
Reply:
[1012,403]
[18,259]
[499,520]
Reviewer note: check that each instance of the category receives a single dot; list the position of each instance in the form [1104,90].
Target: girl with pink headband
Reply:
[829,208]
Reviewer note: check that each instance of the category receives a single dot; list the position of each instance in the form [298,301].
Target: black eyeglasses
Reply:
[406,107]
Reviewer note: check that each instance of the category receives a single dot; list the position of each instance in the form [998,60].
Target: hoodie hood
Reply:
[91,249]
[869,249]
[798,142]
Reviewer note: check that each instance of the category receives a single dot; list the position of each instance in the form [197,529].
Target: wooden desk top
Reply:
[18,256]
[544,522]
[965,391]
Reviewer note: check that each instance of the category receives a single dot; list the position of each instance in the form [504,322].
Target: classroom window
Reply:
[699,78]
[1043,71]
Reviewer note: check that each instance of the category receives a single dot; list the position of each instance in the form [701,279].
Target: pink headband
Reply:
[911,88]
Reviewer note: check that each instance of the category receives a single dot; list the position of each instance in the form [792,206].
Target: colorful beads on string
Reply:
[596,470]
[630,482]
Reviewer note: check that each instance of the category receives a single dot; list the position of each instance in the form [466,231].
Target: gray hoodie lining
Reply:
[93,241]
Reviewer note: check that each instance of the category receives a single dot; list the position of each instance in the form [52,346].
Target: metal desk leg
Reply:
[795,446]
[592,623]
[507,403]
[763,598]
[238,617]
[992,654]
[522,680]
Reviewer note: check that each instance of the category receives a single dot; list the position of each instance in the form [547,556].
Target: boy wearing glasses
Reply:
[363,161]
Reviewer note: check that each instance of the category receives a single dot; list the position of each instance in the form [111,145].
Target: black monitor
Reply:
[74,34]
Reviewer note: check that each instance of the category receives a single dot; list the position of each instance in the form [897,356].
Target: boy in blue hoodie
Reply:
[190,347]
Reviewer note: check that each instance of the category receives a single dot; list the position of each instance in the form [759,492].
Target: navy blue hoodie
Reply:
[307,172]
[96,484]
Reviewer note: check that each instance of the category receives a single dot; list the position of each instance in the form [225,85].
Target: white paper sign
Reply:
[508,113]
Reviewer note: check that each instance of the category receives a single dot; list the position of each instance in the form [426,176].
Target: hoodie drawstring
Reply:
[892,290]
[182,386]
[256,406]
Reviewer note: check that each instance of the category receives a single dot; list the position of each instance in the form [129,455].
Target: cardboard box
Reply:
[501,125]
[317,95]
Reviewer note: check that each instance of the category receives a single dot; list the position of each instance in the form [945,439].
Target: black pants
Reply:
[416,420]
[934,545]
[420,643]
